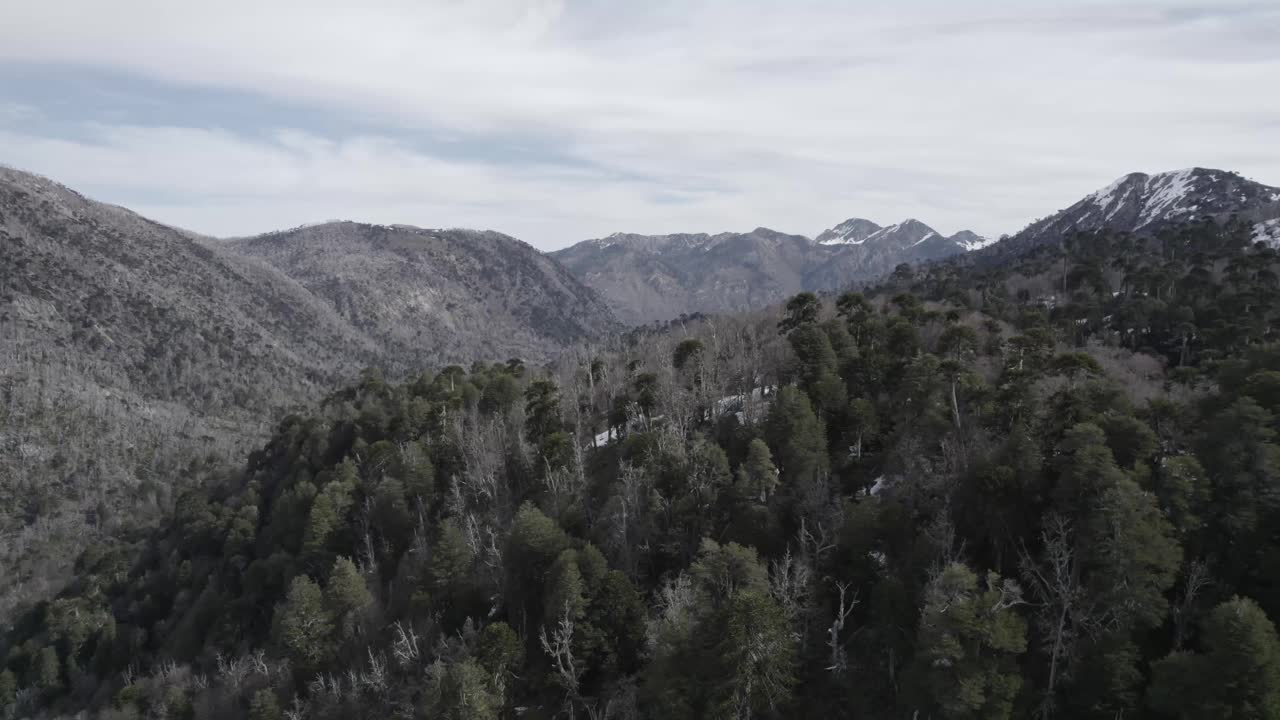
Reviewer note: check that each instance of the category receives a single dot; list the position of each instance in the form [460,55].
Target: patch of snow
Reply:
[1119,204]
[928,235]
[981,242]
[1104,197]
[882,232]
[1268,232]
[1166,191]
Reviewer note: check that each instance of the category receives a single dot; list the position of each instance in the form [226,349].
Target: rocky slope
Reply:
[647,278]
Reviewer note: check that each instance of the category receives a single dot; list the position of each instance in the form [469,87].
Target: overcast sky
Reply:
[561,120]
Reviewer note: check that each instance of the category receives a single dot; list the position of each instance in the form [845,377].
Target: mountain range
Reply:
[1142,203]
[646,278]
[175,345]
[191,318]
[272,318]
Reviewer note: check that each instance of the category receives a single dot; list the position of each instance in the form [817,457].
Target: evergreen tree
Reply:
[757,476]
[346,596]
[264,706]
[302,627]
[968,645]
[754,656]
[460,691]
[1236,674]
[48,671]
[796,436]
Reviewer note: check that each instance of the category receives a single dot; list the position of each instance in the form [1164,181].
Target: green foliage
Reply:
[460,691]
[757,476]
[754,656]
[302,626]
[796,436]
[265,706]
[346,596]
[722,571]
[449,569]
[47,674]
[8,688]
[801,310]
[500,652]
[1236,674]
[968,645]
[820,523]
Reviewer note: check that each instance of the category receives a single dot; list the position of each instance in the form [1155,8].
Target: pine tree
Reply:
[1236,674]
[346,596]
[450,565]
[802,310]
[8,688]
[757,476]
[968,644]
[302,627]
[754,657]
[499,651]
[48,671]
[460,691]
[265,706]
[796,436]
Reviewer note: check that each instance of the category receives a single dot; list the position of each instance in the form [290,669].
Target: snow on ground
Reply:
[927,235]
[727,404]
[1268,232]
[1169,188]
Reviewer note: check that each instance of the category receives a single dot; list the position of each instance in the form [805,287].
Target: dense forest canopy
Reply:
[1049,488]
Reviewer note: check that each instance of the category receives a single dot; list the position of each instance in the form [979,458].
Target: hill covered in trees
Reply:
[1046,488]
[131,351]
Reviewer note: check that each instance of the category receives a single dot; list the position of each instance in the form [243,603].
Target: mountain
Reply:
[1141,203]
[853,231]
[647,278]
[907,234]
[140,305]
[130,354]
[624,541]
[133,353]
[436,295]
[211,324]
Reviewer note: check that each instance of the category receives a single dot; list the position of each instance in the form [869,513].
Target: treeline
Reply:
[1049,489]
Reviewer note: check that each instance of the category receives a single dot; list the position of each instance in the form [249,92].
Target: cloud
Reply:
[557,121]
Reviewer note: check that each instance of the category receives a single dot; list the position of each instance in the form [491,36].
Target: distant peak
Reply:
[853,231]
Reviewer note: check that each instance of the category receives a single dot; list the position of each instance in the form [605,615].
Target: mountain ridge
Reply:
[1145,203]
[647,278]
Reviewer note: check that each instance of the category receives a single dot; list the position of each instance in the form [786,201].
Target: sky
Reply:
[561,120]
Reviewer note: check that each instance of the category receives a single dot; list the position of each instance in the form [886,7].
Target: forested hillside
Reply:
[1045,489]
[131,350]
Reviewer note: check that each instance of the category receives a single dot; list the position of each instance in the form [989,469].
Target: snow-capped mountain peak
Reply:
[853,231]
[909,233]
[1140,203]
[969,240]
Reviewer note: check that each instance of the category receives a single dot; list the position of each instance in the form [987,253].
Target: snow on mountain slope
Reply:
[853,231]
[659,277]
[971,241]
[1268,232]
[1139,202]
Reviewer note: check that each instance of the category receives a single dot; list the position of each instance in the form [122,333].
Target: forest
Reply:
[1045,488]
